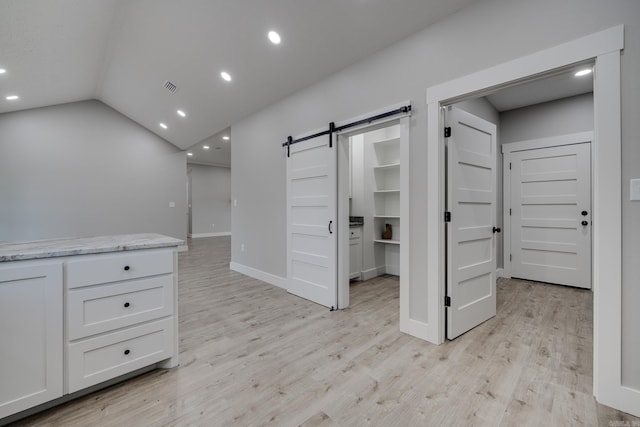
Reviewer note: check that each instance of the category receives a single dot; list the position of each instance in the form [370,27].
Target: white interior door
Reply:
[551,215]
[311,221]
[471,200]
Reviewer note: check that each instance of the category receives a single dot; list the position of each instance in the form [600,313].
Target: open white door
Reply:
[471,202]
[311,221]
[551,215]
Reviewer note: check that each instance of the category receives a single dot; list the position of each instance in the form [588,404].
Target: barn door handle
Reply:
[330,224]
[496,230]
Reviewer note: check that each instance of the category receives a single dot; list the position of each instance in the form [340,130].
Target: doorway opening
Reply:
[604,49]
[540,224]
[370,167]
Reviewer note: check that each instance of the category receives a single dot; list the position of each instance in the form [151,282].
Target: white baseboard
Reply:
[199,235]
[373,272]
[501,272]
[392,269]
[272,279]
[183,248]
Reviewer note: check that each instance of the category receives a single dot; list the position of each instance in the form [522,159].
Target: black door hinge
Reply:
[447,217]
[447,301]
[509,165]
[509,211]
[447,131]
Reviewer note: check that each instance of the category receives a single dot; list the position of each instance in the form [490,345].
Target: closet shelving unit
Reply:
[386,194]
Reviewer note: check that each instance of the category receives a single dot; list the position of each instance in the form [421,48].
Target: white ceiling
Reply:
[123,51]
[557,86]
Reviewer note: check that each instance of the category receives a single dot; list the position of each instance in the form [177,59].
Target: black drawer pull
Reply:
[126,305]
[127,268]
[126,352]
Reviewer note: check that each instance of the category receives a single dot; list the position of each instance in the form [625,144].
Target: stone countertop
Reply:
[17,251]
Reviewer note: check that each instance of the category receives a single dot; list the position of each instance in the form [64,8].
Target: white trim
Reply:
[405,221]
[605,47]
[182,248]
[531,144]
[373,272]
[500,272]
[582,49]
[269,278]
[607,240]
[200,235]
[553,141]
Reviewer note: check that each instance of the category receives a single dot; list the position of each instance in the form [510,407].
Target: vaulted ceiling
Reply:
[122,52]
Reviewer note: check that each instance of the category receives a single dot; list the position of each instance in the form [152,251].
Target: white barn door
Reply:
[471,201]
[551,215]
[311,221]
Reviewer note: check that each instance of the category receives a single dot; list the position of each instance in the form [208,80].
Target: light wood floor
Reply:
[251,354]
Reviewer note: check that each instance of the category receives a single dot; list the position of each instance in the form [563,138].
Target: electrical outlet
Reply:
[213,226]
[634,186]
[242,247]
[235,202]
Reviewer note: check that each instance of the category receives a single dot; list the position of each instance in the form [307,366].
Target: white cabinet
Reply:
[71,322]
[355,252]
[120,314]
[31,339]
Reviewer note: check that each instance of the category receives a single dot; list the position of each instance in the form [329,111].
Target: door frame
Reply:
[532,144]
[604,48]
[342,139]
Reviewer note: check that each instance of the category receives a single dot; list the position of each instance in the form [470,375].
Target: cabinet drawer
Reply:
[355,232]
[99,359]
[97,309]
[96,269]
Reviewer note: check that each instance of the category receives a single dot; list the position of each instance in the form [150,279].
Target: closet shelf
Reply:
[388,241]
[387,216]
[387,191]
[387,166]
[387,141]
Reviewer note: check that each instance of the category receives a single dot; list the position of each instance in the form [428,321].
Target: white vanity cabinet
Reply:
[31,339]
[76,313]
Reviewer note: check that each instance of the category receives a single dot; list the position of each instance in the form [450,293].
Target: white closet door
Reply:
[311,221]
[551,215]
[471,199]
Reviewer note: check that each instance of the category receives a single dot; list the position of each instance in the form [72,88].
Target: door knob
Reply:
[585,213]
[496,229]
[585,223]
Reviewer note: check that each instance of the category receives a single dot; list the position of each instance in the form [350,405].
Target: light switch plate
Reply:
[172,204]
[634,189]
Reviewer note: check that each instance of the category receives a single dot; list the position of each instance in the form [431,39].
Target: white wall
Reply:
[83,169]
[561,117]
[210,200]
[486,33]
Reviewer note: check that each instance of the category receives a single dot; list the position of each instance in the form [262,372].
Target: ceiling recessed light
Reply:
[205,147]
[274,37]
[2,71]
[163,126]
[12,97]
[181,113]
[225,76]
[226,138]
[190,154]
[583,72]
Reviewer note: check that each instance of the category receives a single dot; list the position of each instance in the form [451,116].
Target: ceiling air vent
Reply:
[170,87]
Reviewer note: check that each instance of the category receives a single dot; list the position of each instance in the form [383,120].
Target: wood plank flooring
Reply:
[253,355]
